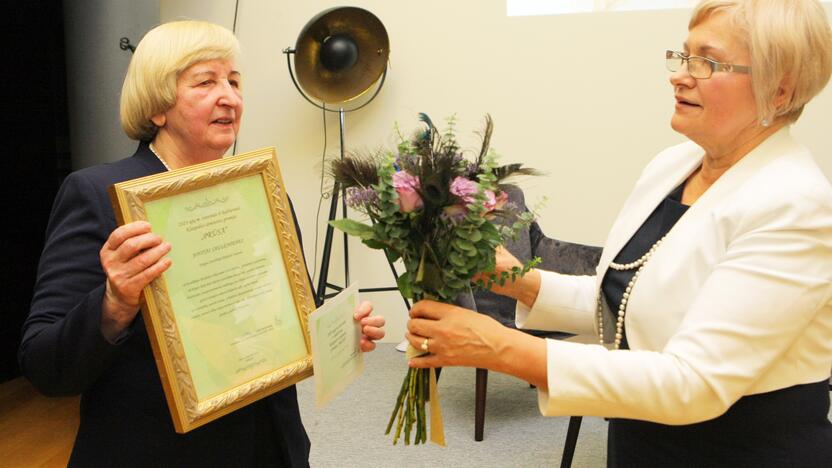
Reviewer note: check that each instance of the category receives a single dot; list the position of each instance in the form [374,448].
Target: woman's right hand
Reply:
[523,289]
[132,257]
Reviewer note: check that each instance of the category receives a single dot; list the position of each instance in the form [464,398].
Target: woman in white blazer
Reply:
[712,295]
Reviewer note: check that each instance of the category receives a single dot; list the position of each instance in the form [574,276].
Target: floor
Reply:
[35,430]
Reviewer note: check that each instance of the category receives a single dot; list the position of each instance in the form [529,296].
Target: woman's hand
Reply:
[456,336]
[461,337]
[132,257]
[372,327]
[523,289]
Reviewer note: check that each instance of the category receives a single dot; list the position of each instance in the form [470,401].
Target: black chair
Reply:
[555,255]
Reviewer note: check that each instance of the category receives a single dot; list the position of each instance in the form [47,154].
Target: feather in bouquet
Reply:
[442,215]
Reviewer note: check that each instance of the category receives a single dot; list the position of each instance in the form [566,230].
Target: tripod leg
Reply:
[346,245]
[396,277]
[320,291]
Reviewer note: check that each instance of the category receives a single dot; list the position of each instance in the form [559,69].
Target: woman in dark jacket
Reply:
[181,100]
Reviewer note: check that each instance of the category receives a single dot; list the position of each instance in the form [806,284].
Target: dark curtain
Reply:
[35,148]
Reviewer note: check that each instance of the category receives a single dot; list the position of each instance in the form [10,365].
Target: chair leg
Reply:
[479,406]
[571,441]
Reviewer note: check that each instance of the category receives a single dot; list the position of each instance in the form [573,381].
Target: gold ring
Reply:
[425,345]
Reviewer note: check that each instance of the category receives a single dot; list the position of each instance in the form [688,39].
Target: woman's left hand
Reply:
[462,337]
[372,327]
[455,336]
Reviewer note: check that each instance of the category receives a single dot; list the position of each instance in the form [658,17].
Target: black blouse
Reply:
[657,225]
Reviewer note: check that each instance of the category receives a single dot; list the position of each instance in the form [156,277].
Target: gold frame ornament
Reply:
[215,338]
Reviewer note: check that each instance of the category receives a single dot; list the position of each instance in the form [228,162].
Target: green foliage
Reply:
[354,228]
[440,254]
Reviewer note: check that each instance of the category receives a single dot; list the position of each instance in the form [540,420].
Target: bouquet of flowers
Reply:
[443,216]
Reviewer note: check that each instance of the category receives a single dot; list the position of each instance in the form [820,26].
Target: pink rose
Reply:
[464,189]
[490,201]
[501,201]
[407,186]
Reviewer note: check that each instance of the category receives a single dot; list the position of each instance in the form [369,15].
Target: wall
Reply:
[95,71]
[583,97]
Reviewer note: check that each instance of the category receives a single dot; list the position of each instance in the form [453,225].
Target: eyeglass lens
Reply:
[697,66]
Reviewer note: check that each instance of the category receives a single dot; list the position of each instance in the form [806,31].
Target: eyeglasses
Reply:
[700,68]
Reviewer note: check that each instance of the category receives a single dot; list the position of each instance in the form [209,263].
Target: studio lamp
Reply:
[339,56]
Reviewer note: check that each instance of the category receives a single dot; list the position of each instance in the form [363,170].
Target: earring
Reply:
[765,123]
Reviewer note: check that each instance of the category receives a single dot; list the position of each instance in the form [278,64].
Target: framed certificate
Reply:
[228,321]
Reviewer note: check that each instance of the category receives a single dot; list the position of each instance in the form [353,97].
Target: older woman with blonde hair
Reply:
[712,300]
[182,100]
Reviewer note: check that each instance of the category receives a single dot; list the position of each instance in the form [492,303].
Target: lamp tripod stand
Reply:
[331,69]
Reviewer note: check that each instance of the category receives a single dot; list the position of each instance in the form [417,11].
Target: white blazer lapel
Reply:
[667,170]
[664,174]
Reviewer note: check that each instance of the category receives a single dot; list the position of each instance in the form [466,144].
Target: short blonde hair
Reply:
[790,43]
[162,55]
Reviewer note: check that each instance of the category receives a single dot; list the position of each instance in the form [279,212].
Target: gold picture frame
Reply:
[228,321]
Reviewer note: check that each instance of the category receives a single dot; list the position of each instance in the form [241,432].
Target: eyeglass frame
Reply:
[714,65]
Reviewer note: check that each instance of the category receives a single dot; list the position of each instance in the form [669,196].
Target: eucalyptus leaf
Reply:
[405,286]
[374,244]
[353,228]
[463,244]
[457,259]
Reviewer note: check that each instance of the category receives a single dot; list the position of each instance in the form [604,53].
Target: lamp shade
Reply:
[340,53]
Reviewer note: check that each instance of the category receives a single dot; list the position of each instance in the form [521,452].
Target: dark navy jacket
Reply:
[124,417]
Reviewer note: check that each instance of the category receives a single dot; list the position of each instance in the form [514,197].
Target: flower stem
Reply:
[418,408]
[399,401]
[401,418]
[421,434]
[410,407]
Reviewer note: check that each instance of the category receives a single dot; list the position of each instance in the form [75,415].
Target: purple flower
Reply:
[464,188]
[471,170]
[407,186]
[360,198]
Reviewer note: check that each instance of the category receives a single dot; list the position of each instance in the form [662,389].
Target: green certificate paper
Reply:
[336,356]
[228,285]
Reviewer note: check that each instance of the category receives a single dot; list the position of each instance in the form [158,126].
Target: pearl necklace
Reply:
[637,265]
[153,150]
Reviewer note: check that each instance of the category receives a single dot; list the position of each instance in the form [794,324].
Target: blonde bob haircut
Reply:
[161,56]
[791,47]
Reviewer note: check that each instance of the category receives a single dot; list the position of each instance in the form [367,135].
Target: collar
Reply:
[148,159]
